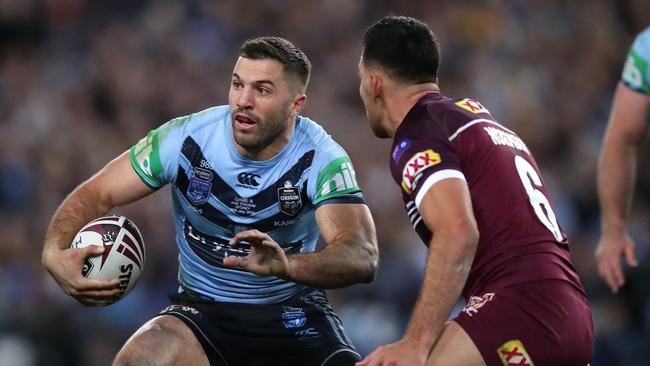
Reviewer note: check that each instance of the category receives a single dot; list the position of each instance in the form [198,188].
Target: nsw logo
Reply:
[200,186]
[248,180]
[293,317]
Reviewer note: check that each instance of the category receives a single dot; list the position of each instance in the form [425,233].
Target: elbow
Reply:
[370,262]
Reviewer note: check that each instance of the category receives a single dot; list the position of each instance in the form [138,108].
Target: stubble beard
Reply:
[266,132]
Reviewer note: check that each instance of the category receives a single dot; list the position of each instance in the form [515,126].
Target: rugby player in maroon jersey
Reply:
[475,196]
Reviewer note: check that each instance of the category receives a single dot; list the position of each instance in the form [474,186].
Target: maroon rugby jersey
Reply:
[520,238]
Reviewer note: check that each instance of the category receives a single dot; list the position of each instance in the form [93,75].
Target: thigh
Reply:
[164,340]
[455,347]
[527,324]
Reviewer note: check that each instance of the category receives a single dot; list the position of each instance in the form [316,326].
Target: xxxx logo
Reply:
[513,353]
[472,105]
[416,165]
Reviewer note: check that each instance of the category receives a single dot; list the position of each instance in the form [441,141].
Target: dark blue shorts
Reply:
[536,323]
[303,330]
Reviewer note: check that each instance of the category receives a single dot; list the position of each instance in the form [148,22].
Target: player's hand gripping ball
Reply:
[124,254]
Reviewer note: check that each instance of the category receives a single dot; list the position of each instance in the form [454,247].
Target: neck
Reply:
[400,100]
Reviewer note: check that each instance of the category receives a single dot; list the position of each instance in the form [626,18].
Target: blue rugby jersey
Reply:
[217,193]
[636,73]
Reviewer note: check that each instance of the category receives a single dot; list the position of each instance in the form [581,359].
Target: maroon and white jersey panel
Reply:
[520,237]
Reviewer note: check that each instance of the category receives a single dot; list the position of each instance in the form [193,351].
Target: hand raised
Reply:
[266,257]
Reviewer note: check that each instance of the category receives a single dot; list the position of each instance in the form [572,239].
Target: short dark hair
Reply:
[291,57]
[404,47]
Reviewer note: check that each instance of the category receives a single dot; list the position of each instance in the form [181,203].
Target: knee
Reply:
[154,344]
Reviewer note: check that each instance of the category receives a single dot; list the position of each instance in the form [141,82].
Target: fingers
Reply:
[236,262]
[249,235]
[609,269]
[630,256]
[92,250]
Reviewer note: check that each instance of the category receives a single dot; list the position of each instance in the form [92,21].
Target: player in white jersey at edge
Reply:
[626,129]
[253,185]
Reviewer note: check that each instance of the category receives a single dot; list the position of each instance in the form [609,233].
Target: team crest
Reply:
[200,186]
[513,353]
[293,317]
[289,199]
[477,302]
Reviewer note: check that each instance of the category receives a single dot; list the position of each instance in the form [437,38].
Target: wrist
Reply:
[48,252]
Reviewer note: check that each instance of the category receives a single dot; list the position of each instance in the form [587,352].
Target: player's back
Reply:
[520,238]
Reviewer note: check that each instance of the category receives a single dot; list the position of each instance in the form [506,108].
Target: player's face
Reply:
[262,105]
[373,109]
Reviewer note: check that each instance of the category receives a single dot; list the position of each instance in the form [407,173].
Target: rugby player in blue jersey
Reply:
[253,185]
[626,129]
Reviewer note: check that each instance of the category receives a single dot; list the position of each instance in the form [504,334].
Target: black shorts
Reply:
[303,330]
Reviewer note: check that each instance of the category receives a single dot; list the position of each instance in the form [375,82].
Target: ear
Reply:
[377,84]
[298,104]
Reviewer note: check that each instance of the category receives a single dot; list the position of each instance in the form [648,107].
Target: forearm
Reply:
[448,265]
[81,206]
[616,176]
[345,261]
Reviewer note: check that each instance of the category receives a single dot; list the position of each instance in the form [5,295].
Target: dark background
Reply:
[81,81]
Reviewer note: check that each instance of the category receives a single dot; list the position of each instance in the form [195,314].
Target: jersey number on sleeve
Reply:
[538,200]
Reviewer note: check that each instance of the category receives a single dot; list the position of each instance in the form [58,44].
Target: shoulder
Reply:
[442,116]
[314,137]
[214,116]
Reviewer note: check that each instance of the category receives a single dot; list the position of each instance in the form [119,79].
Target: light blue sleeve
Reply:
[155,157]
[636,72]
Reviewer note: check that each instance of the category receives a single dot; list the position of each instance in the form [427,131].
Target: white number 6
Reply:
[538,200]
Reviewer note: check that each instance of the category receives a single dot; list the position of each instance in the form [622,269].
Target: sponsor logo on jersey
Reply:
[293,317]
[513,353]
[336,179]
[416,165]
[289,199]
[248,180]
[399,149]
[472,105]
[145,157]
[200,185]
[635,71]
[477,302]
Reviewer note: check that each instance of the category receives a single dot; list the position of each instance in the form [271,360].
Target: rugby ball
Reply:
[124,254]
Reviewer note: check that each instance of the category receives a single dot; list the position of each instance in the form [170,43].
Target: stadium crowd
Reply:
[82,81]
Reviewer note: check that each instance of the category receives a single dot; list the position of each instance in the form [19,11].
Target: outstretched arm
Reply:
[447,210]
[116,184]
[350,255]
[616,175]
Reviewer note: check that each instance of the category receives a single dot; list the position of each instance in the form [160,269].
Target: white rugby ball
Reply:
[124,254]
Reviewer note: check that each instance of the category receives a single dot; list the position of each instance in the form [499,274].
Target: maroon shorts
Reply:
[536,323]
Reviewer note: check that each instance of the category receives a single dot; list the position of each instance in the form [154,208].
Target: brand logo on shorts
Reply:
[513,353]
[181,308]
[293,317]
[476,302]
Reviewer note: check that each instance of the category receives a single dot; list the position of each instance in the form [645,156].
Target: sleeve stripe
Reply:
[435,178]
[149,181]
[341,199]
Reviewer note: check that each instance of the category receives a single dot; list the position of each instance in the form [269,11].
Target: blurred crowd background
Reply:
[81,81]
